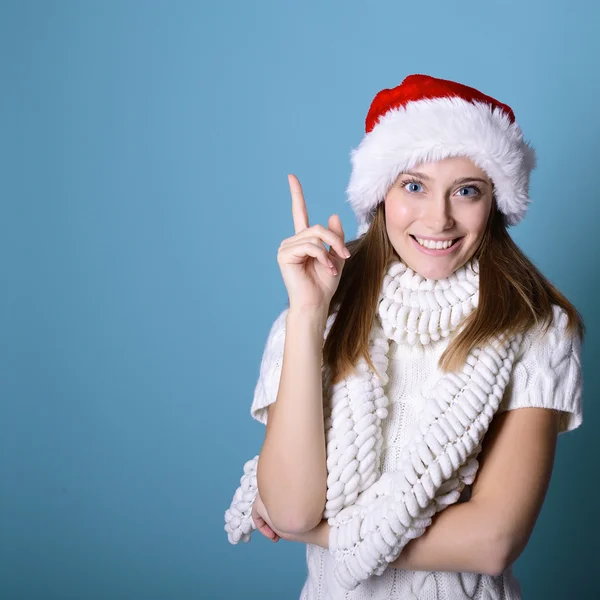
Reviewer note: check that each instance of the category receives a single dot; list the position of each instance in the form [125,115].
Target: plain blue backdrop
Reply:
[144,148]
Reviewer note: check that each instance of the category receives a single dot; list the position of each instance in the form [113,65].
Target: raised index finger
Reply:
[299,212]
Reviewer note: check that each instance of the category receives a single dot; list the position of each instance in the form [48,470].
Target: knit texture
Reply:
[545,374]
[412,375]
[441,459]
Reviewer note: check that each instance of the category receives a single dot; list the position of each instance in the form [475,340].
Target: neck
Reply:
[416,310]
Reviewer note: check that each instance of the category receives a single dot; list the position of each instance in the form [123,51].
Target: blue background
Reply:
[144,149]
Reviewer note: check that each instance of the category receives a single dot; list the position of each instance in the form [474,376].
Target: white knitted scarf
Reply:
[373,516]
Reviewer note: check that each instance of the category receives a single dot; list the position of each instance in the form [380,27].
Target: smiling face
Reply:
[440,202]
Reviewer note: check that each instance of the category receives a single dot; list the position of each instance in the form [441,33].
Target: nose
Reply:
[439,213]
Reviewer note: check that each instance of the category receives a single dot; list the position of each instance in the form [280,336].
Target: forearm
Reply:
[461,538]
[292,470]
[457,540]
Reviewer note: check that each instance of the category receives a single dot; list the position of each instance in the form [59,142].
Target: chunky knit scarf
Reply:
[373,515]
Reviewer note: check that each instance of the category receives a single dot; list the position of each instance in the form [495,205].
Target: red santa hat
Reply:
[425,119]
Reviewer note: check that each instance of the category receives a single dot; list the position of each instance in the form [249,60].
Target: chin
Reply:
[432,271]
[432,268]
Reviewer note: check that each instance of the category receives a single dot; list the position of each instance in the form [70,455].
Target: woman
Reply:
[389,386]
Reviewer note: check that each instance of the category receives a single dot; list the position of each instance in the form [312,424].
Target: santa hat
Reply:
[425,119]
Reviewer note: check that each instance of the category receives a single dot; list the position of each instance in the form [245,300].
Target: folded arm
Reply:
[488,532]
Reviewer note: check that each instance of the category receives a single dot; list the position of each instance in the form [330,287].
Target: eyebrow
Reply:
[455,182]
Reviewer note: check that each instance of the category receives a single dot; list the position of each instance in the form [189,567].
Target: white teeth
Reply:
[435,245]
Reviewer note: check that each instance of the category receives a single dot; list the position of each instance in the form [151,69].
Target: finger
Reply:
[304,239]
[258,521]
[267,531]
[299,212]
[324,235]
[297,253]
[335,225]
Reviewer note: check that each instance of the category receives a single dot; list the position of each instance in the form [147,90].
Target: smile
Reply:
[432,248]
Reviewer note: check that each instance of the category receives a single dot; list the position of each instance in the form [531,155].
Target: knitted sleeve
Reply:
[547,373]
[267,386]
[265,392]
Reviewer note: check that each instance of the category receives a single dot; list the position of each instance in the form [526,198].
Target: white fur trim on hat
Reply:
[433,129]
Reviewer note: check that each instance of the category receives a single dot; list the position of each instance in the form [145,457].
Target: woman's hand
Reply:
[311,273]
[262,521]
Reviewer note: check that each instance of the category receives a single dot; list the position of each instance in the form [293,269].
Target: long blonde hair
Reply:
[514,296]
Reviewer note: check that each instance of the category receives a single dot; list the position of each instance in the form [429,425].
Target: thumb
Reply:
[335,226]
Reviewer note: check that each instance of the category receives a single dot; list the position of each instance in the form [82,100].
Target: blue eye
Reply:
[413,183]
[470,187]
[405,183]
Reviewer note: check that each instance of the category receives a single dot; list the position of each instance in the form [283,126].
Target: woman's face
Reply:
[443,201]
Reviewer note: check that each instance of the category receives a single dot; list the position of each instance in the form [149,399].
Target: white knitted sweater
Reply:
[546,373]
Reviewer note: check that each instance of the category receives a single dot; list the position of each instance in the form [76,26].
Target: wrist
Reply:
[314,317]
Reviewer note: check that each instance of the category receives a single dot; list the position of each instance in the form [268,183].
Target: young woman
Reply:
[389,386]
